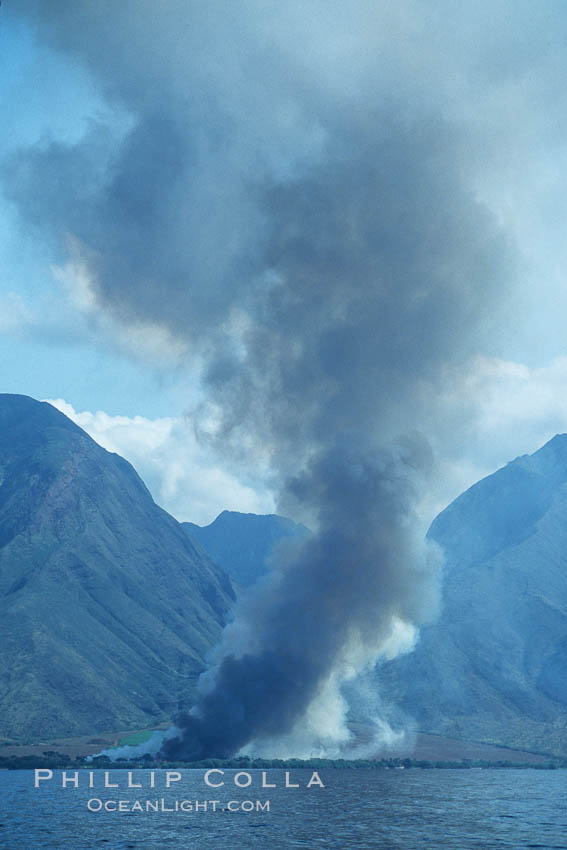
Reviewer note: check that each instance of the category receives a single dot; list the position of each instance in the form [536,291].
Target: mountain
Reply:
[493,668]
[106,608]
[243,543]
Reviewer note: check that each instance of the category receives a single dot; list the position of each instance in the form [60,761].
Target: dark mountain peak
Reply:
[494,667]
[243,543]
[240,523]
[237,518]
[18,405]
[101,591]
[504,508]
[26,424]
[558,443]
[550,460]
[51,467]
[23,419]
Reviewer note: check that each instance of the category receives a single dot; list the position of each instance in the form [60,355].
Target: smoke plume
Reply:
[330,606]
[293,198]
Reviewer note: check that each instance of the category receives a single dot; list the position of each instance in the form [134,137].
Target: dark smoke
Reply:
[336,596]
[317,242]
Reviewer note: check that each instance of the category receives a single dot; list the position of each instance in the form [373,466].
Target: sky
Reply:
[154,164]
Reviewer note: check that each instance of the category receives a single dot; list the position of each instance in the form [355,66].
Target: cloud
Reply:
[519,407]
[518,402]
[505,409]
[145,340]
[15,315]
[181,475]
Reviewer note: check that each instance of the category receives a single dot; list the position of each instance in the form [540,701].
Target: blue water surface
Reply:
[403,809]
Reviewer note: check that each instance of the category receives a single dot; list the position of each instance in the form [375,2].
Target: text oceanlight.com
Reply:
[95,804]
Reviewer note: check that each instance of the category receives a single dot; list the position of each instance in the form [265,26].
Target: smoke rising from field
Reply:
[329,608]
[292,199]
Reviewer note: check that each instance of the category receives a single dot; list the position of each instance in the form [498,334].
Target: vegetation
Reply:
[57,761]
[136,738]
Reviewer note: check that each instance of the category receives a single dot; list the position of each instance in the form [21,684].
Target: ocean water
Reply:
[402,809]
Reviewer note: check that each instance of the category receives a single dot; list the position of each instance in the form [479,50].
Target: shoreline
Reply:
[60,762]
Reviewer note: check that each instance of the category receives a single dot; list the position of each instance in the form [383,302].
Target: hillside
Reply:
[106,608]
[494,666]
[242,544]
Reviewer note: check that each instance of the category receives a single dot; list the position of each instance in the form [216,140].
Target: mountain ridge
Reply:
[108,610]
[243,543]
[493,668]
[109,606]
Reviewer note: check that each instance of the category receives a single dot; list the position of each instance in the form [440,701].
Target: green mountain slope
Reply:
[242,544]
[106,608]
[494,666]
